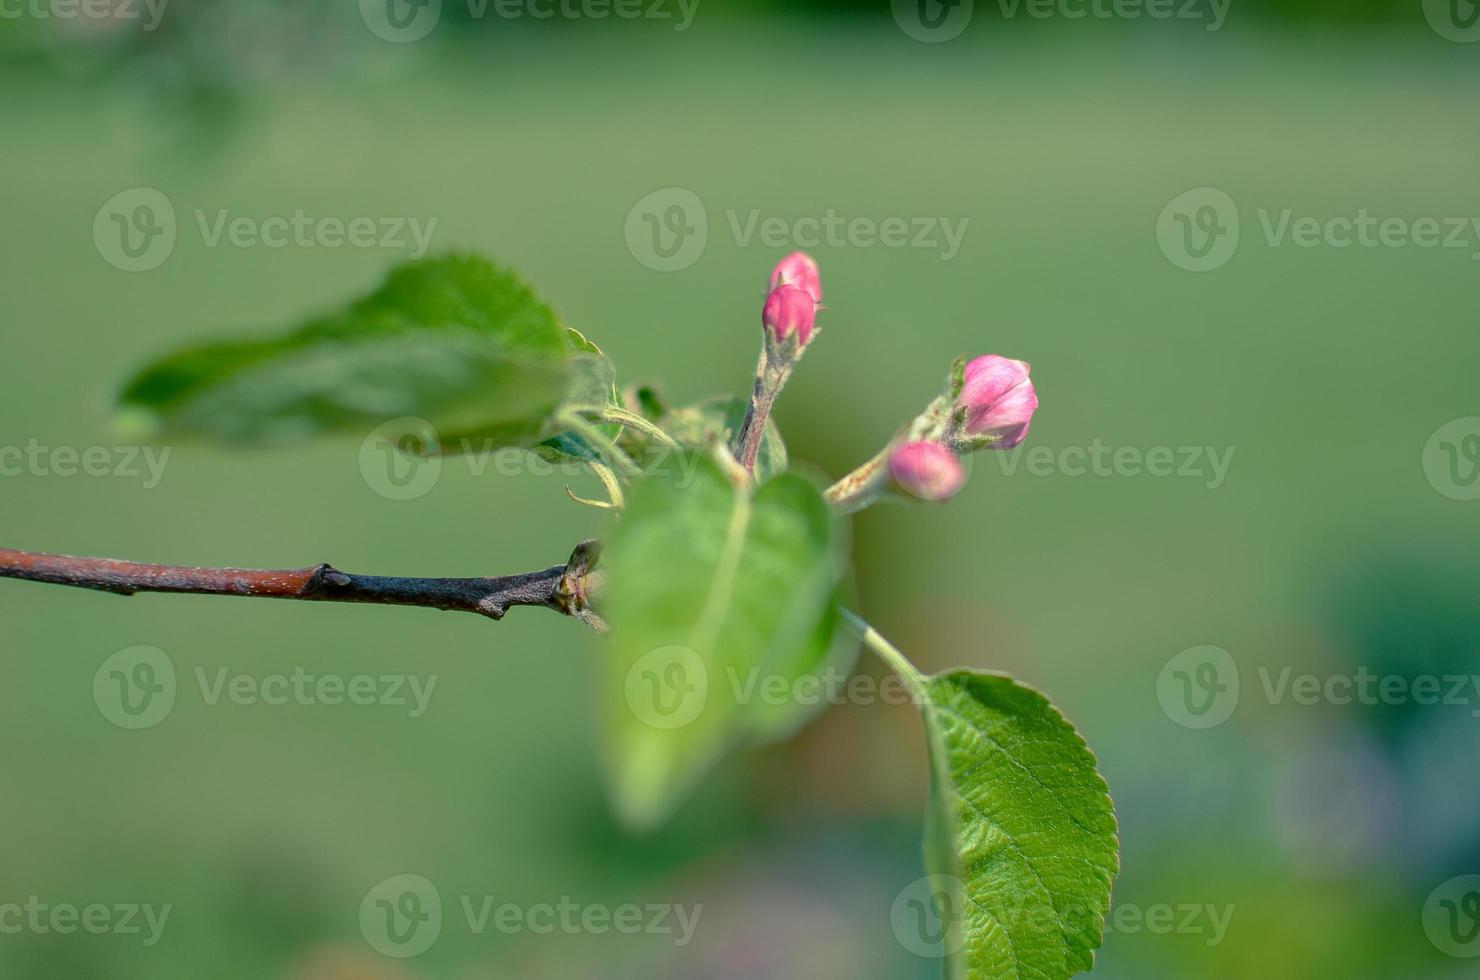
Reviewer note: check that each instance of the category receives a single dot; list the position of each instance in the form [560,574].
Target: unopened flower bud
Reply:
[927,470]
[999,401]
[798,269]
[789,310]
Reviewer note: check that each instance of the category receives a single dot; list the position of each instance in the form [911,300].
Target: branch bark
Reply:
[564,588]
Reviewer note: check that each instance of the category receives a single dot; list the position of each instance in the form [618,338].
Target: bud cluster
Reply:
[988,404]
[926,470]
[791,306]
[789,319]
[994,406]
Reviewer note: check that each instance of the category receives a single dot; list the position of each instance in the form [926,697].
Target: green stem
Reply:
[870,482]
[632,420]
[886,652]
[769,380]
[863,486]
[609,481]
[601,442]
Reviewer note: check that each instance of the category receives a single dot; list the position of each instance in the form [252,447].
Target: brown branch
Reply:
[564,588]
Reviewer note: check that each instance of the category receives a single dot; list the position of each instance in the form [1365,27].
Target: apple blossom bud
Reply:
[798,269]
[789,310]
[927,470]
[998,402]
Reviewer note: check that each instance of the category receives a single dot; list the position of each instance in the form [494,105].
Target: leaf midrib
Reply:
[721,588]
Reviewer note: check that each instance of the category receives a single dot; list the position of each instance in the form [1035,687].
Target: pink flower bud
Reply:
[928,470]
[788,310]
[999,400]
[800,270]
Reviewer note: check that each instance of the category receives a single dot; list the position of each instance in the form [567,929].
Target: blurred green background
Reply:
[1319,832]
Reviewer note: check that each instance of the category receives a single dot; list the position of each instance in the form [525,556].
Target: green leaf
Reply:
[454,340]
[828,655]
[713,589]
[720,418]
[593,377]
[1021,826]
[647,400]
[593,384]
